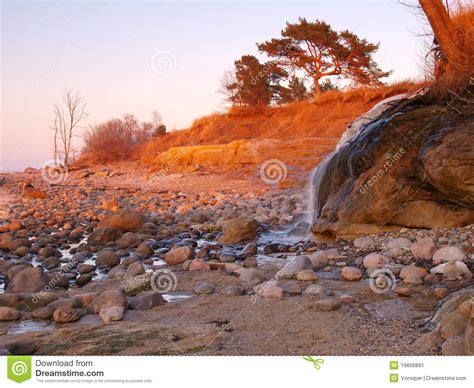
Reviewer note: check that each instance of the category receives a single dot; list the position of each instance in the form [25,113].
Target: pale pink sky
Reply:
[112,52]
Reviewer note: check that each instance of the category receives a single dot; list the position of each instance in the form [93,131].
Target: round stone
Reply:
[351,274]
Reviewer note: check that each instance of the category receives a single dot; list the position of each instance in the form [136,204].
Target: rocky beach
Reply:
[327,207]
[114,261]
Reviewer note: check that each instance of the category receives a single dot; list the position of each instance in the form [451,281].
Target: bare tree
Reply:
[156,118]
[68,115]
[227,86]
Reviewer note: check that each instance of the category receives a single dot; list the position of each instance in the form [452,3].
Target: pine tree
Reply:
[319,51]
[254,84]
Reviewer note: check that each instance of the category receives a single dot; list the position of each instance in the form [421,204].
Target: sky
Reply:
[137,57]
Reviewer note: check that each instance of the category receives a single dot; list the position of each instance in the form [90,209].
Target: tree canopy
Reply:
[254,84]
[319,51]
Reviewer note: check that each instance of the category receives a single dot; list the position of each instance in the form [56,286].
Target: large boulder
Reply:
[238,229]
[9,314]
[127,220]
[404,170]
[179,255]
[107,257]
[28,280]
[18,243]
[102,236]
[113,297]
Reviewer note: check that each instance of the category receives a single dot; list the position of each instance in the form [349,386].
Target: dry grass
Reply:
[459,75]
[328,116]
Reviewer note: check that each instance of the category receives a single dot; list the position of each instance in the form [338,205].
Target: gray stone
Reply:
[204,288]
[111,313]
[113,297]
[146,300]
[327,304]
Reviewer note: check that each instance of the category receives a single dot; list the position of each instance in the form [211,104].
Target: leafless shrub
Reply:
[115,139]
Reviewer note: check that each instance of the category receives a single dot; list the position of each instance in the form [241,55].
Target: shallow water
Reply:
[176,296]
[29,325]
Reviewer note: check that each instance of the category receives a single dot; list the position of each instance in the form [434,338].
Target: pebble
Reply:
[346,299]
[199,265]
[450,253]
[375,261]
[440,293]
[313,289]
[179,255]
[250,262]
[402,291]
[351,274]
[269,291]
[146,300]
[423,248]
[67,314]
[319,259]
[307,275]
[204,288]
[327,304]
[412,274]
[111,313]
[364,242]
[9,314]
[232,291]
[292,288]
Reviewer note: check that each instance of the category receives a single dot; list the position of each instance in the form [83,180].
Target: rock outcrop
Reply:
[240,153]
[412,167]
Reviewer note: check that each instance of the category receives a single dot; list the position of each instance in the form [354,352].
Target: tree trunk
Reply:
[443,30]
[316,88]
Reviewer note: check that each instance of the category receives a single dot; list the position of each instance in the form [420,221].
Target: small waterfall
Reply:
[313,190]
[365,123]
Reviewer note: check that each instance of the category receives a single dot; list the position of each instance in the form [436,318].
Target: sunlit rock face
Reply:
[412,166]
